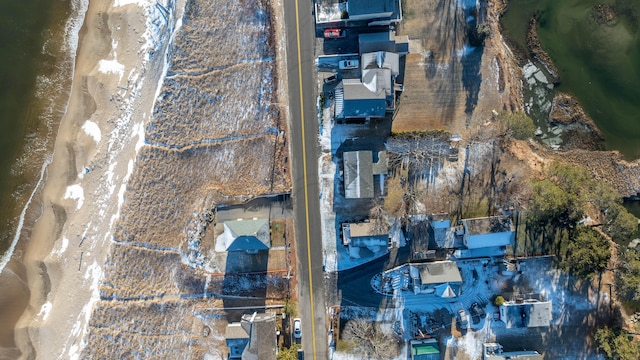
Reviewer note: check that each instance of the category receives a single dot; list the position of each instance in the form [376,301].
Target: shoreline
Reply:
[114,82]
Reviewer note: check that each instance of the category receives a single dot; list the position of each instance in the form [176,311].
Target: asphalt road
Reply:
[302,81]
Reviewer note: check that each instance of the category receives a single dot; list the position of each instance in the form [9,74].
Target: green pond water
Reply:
[599,64]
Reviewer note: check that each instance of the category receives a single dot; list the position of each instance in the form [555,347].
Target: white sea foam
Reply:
[76,193]
[7,255]
[92,129]
[45,310]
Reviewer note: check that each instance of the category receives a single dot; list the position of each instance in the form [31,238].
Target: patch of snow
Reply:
[45,310]
[111,67]
[138,130]
[468,344]
[63,246]
[141,3]
[92,129]
[75,192]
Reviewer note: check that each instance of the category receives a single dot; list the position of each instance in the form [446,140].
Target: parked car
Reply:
[297,328]
[477,311]
[463,319]
[331,79]
[300,354]
[335,33]
[348,64]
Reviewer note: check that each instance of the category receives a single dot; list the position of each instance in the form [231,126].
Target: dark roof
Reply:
[488,225]
[372,108]
[262,343]
[371,9]
[358,174]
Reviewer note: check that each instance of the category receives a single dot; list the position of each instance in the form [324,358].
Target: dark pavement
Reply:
[302,81]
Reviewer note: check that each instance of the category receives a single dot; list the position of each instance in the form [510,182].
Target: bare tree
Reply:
[371,340]
[378,219]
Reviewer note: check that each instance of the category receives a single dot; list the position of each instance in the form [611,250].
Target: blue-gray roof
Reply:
[247,235]
[362,108]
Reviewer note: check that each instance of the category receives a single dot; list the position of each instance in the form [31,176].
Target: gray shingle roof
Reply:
[247,235]
[439,272]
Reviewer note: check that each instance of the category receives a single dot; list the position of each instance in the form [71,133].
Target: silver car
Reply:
[297,328]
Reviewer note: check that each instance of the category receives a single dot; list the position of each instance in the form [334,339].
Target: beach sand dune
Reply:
[113,266]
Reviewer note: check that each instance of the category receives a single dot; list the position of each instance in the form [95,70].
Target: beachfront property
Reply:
[360,173]
[528,313]
[250,235]
[253,338]
[357,12]
[494,351]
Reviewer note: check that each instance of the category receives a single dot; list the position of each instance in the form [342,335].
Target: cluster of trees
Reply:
[558,203]
[616,344]
[516,125]
[368,339]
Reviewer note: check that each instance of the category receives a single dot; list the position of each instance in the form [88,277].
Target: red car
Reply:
[335,33]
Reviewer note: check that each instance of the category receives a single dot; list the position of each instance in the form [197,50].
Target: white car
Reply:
[297,328]
[463,319]
[348,64]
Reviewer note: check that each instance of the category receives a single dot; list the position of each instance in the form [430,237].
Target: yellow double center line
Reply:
[305,184]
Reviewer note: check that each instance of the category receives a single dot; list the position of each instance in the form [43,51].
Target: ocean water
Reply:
[599,64]
[38,39]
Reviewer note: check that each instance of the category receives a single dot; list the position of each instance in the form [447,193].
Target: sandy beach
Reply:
[115,81]
[113,195]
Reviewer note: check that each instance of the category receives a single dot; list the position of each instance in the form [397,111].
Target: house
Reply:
[440,231]
[253,338]
[526,313]
[493,351]
[373,95]
[440,277]
[262,336]
[426,349]
[237,339]
[357,12]
[360,171]
[363,235]
[383,41]
[246,235]
[485,237]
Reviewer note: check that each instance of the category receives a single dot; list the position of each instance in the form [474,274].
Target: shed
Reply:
[426,349]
